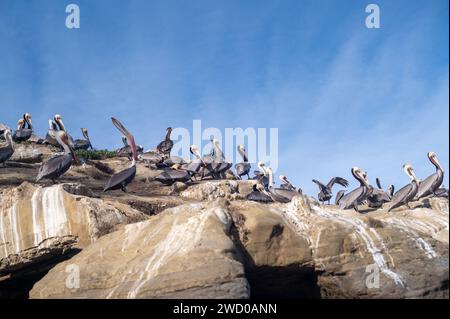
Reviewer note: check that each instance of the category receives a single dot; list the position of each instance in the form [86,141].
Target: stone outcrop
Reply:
[295,250]
[34,221]
[185,252]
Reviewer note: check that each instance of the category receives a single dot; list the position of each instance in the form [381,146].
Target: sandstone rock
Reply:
[178,187]
[185,252]
[210,190]
[30,152]
[33,218]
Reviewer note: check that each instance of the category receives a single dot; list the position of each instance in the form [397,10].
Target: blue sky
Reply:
[340,94]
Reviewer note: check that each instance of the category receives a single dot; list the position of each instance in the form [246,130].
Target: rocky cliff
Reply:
[205,240]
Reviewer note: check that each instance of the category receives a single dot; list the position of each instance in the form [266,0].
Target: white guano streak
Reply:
[360,228]
[181,238]
[54,212]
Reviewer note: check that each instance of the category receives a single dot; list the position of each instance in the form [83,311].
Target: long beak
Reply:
[72,151]
[127,134]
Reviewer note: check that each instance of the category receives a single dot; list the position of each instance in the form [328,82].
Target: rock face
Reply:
[185,252]
[34,221]
[295,250]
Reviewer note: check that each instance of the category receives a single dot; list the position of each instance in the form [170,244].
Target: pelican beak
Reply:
[127,134]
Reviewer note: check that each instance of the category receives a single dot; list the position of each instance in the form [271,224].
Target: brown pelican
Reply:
[62,127]
[378,196]
[85,144]
[51,133]
[6,151]
[3,128]
[126,150]
[262,175]
[172,175]
[277,194]
[259,194]
[352,199]
[197,165]
[58,165]
[339,196]
[407,193]
[123,178]
[244,167]
[287,185]
[24,129]
[430,184]
[166,146]
[325,191]
[219,166]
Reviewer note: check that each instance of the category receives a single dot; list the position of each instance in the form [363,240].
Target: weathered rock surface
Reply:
[295,250]
[34,219]
[185,252]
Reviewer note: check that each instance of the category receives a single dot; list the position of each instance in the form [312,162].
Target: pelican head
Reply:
[433,159]
[27,118]
[360,175]
[63,140]
[215,142]
[20,124]
[262,167]
[8,137]
[168,132]
[410,172]
[194,151]
[59,121]
[391,190]
[241,150]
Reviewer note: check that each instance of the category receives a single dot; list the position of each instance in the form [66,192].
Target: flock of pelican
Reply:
[214,165]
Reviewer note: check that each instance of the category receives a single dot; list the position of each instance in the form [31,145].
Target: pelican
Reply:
[3,128]
[24,129]
[262,175]
[126,150]
[6,151]
[277,194]
[219,166]
[325,191]
[123,178]
[51,133]
[352,199]
[430,184]
[166,146]
[287,185]
[258,194]
[58,165]
[172,175]
[378,196]
[197,165]
[83,144]
[62,127]
[408,192]
[244,167]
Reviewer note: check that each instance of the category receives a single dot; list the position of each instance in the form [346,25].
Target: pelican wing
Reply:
[121,179]
[53,165]
[337,180]
[426,184]
[321,186]
[339,196]
[352,197]
[401,195]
